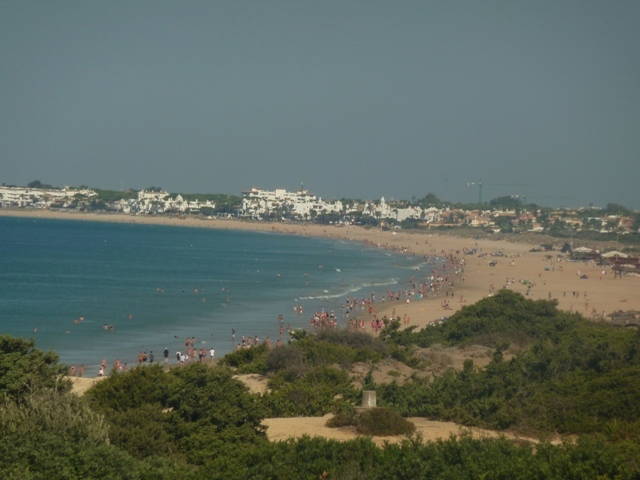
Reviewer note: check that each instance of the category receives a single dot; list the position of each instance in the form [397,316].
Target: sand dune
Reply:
[279,429]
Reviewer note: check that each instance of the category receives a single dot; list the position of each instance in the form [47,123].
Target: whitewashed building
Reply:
[151,202]
[26,197]
[258,203]
[383,210]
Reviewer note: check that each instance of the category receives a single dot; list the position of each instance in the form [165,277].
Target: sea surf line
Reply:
[156,285]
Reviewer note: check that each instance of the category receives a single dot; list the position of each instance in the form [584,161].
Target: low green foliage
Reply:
[372,421]
[575,377]
[344,414]
[353,339]
[248,360]
[169,413]
[455,459]
[327,347]
[286,358]
[307,374]
[25,369]
[52,411]
[316,392]
[507,317]
[54,435]
[571,376]
[382,421]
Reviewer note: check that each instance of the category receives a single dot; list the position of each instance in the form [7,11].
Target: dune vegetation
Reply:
[551,373]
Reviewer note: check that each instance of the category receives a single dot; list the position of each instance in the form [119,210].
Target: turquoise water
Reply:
[157,285]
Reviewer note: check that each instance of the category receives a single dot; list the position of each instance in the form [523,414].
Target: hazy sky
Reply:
[354,98]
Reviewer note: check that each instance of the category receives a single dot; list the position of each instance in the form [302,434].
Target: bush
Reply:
[53,435]
[581,379]
[382,421]
[51,411]
[24,368]
[164,409]
[286,357]
[353,339]
[344,415]
[506,317]
[138,387]
[248,360]
[314,393]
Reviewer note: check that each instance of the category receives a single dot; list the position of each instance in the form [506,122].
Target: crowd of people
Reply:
[355,313]
[363,312]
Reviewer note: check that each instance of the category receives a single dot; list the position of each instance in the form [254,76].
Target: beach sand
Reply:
[280,429]
[79,385]
[552,277]
[596,296]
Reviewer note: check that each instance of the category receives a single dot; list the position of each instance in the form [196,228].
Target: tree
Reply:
[38,184]
[24,368]
[616,209]
[429,200]
[505,224]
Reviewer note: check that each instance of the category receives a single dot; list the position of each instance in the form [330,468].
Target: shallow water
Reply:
[156,285]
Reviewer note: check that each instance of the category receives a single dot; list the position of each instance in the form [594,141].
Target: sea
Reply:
[94,290]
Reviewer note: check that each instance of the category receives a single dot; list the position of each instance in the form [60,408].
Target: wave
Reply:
[419,266]
[393,281]
[432,262]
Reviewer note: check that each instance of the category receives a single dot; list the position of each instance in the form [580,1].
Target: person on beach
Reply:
[165,353]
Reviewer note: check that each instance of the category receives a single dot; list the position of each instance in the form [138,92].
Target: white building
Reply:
[383,210]
[41,197]
[258,203]
[158,202]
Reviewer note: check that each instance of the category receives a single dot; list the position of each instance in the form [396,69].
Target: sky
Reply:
[353,98]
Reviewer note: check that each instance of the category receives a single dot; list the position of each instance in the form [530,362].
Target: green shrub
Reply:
[313,393]
[51,411]
[248,360]
[285,357]
[24,368]
[353,339]
[133,389]
[506,317]
[382,421]
[53,435]
[165,408]
[344,415]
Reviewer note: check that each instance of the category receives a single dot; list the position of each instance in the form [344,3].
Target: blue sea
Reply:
[145,287]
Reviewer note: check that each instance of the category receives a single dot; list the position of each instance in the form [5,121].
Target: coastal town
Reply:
[328,240]
[501,215]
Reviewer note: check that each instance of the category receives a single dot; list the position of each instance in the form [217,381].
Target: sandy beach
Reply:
[542,275]
[282,429]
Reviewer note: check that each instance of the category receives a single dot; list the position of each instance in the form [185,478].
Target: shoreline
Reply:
[489,265]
